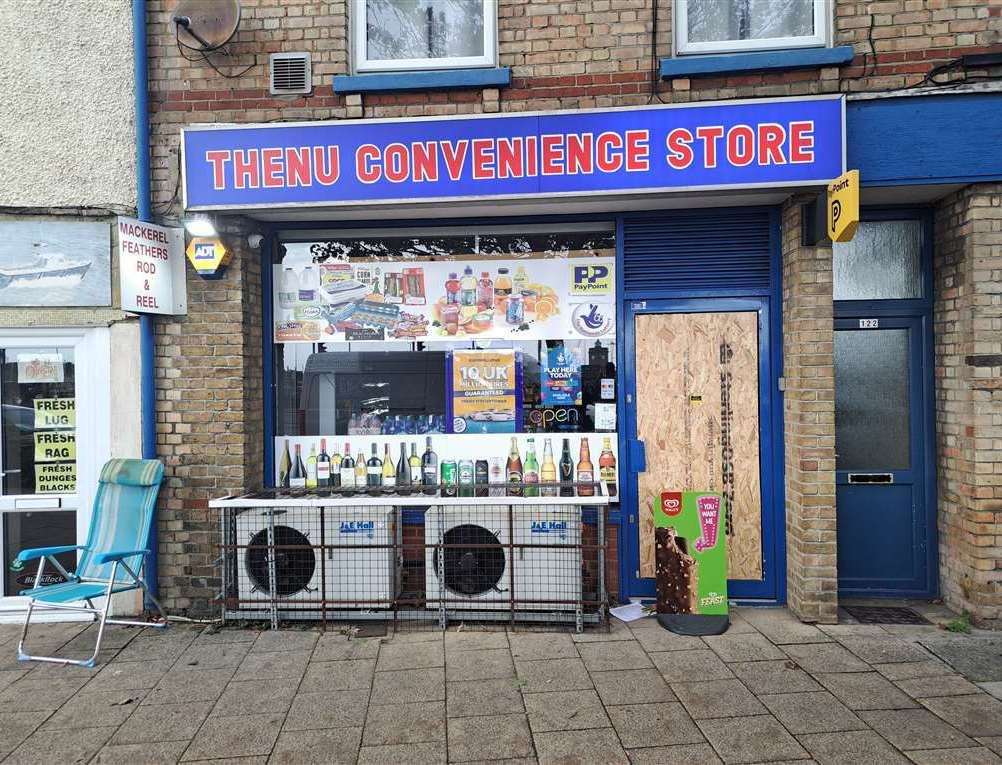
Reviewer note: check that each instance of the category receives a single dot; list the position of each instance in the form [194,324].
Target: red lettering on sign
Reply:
[740,146]
[552,155]
[637,151]
[709,135]
[274,168]
[483,159]
[579,153]
[802,142]
[425,161]
[326,164]
[455,157]
[771,137]
[680,154]
[218,159]
[297,166]
[396,163]
[246,172]
[608,149]
[509,158]
[366,167]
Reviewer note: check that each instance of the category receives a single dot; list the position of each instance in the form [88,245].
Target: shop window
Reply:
[720,26]
[882,262]
[464,339]
[401,35]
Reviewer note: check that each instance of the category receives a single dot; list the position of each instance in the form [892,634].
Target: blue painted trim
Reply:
[268,359]
[925,139]
[144,211]
[622,413]
[765,61]
[779,404]
[442,79]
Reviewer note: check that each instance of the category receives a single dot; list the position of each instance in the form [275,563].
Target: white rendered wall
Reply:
[67,122]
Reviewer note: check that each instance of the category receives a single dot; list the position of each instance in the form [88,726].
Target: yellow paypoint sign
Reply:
[843,206]
[208,256]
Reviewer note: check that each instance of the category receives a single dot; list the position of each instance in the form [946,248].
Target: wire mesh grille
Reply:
[422,568]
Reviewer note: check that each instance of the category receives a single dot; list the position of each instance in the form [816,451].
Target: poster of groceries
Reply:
[446,300]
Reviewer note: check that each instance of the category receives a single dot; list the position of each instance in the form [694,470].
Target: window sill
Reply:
[764,61]
[442,79]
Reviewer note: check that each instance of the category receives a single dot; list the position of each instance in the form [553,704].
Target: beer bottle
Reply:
[586,471]
[607,466]
[530,475]
[566,470]
[548,472]
[514,470]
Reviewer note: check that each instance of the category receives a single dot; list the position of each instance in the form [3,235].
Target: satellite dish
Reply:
[206,25]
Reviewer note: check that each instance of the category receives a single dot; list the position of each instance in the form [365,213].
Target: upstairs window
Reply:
[721,26]
[400,35]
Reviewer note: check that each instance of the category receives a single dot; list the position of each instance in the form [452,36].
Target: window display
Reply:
[463,339]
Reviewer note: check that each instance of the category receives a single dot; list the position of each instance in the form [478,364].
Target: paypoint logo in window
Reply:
[595,279]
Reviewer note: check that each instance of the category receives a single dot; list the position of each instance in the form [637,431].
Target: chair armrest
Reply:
[39,552]
[118,555]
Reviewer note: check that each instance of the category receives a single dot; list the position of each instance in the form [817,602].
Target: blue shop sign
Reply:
[737,144]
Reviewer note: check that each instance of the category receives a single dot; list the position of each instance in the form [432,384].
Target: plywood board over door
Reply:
[698,416]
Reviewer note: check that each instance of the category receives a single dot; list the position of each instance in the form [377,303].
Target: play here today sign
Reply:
[151,265]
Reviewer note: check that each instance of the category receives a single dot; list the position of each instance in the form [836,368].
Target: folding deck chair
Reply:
[111,561]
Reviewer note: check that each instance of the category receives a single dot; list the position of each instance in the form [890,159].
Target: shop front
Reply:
[531,311]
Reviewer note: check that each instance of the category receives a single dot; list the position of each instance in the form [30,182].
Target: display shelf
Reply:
[320,499]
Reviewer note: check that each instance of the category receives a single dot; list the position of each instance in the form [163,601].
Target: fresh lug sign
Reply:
[738,144]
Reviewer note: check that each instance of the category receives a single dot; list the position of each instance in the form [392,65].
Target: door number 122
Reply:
[869,323]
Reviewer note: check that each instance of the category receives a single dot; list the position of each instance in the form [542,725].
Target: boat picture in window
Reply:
[55,263]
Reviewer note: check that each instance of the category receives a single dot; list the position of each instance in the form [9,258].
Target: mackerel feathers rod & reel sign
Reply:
[738,144]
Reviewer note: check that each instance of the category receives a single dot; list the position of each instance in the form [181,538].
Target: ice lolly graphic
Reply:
[709,522]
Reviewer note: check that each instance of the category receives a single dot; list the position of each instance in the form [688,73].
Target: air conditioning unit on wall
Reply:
[543,572]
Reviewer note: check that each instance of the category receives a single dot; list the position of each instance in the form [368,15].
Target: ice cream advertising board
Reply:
[485,393]
[445,300]
[691,561]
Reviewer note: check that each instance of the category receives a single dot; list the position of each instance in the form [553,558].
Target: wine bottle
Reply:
[347,468]
[284,466]
[361,471]
[514,470]
[311,468]
[335,468]
[374,473]
[548,472]
[323,466]
[403,471]
[566,468]
[607,466]
[414,466]
[297,473]
[530,475]
[586,471]
[429,469]
[389,472]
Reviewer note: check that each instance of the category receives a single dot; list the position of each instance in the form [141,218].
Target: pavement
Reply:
[769,690]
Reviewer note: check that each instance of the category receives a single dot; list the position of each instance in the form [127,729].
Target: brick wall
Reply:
[809,412]
[968,338]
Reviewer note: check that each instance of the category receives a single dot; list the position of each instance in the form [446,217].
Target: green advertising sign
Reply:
[691,561]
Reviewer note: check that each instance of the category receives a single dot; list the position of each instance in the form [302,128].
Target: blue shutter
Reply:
[697,250]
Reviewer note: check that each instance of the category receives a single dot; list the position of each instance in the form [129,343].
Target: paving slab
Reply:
[480,665]
[599,745]
[648,725]
[552,675]
[331,745]
[774,677]
[851,748]
[11,675]
[162,722]
[531,646]
[431,753]
[825,657]
[690,665]
[751,739]
[781,627]
[977,659]
[394,656]
[915,729]
[914,669]
[604,657]
[335,647]
[496,737]
[15,727]
[352,675]
[717,698]
[653,637]
[273,665]
[479,698]
[84,709]
[168,645]
[227,635]
[327,710]
[992,689]
[474,640]
[285,640]
[160,753]
[261,696]
[743,647]
[970,756]
[114,637]
[992,742]
[410,684]
[884,650]
[38,694]
[684,754]
[979,715]
[193,684]
[938,685]
[632,686]
[406,723]
[234,737]
[213,656]
[815,712]
[565,710]
[617,631]
[865,690]
[129,675]
[44,747]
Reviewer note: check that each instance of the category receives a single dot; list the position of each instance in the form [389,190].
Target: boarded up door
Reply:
[698,416]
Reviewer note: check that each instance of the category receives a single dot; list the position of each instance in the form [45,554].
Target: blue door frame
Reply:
[772,585]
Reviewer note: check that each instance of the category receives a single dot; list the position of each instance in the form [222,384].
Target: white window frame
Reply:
[363,64]
[683,47]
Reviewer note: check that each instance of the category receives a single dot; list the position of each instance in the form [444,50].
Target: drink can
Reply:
[449,477]
[481,477]
[466,476]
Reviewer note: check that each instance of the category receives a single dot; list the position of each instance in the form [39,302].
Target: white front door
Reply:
[54,438]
